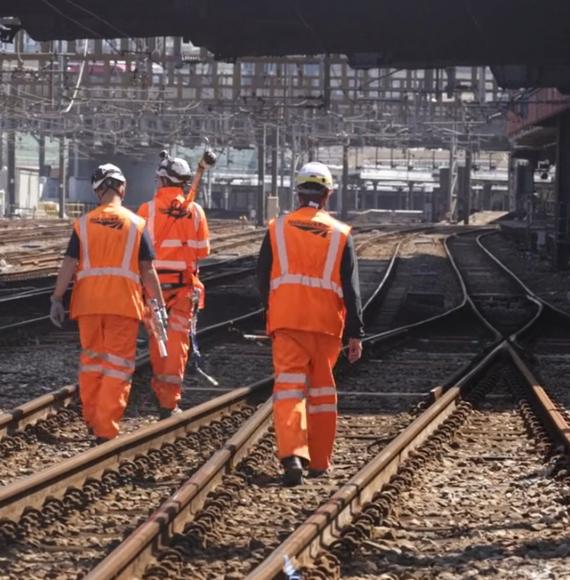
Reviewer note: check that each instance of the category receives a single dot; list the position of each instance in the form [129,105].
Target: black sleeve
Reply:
[264,264]
[354,327]
[146,251]
[73,246]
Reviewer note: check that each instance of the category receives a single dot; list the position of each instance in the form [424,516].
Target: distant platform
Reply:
[484,218]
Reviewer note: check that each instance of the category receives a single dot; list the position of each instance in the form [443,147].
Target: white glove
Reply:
[57,312]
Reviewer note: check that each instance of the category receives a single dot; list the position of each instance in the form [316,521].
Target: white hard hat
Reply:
[314,172]
[106,171]
[175,169]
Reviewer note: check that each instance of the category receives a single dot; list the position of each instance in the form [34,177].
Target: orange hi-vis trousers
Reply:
[304,395]
[107,362]
[168,373]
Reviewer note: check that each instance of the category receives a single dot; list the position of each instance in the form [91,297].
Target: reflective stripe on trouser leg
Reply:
[168,373]
[119,343]
[322,401]
[90,365]
[289,406]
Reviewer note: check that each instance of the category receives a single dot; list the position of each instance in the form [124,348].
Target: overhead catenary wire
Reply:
[79,79]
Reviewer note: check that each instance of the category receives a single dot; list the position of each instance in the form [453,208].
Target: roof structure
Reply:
[408,33]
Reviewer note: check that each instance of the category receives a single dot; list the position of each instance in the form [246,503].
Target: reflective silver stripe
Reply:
[321,391]
[84,241]
[125,273]
[172,379]
[122,271]
[198,244]
[170,264]
[171,244]
[112,358]
[291,378]
[306,281]
[90,368]
[91,353]
[131,239]
[178,327]
[197,215]
[119,361]
[281,395]
[328,408]
[150,222]
[179,318]
[331,255]
[325,282]
[115,374]
[281,247]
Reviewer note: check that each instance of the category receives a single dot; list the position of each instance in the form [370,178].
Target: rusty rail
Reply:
[130,558]
[321,528]
[54,481]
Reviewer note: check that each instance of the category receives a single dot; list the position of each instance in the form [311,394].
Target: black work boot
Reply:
[293,470]
[166,413]
[314,473]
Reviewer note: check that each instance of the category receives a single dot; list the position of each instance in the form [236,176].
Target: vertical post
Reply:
[274,163]
[452,204]
[1,144]
[467,185]
[260,213]
[343,209]
[410,196]
[311,148]
[11,167]
[293,168]
[62,177]
[42,153]
[562,191]
[327,82]
[282,193]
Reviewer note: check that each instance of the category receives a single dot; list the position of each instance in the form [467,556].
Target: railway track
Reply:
[358,545]
[227,344]
[263,387]
[231,516]
[34,302]
[501,299]
[34,255]
[358,444]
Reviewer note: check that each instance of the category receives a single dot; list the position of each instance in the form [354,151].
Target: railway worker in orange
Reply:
[110,253]
[181,239]
[308,279]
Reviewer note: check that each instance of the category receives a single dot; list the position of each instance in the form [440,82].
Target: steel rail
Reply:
[130,558]
[132,555]
[162,525]
[545,407]
[31,412]
[545,306]
[46,405]
[322,527]
[206,267]
[55,480]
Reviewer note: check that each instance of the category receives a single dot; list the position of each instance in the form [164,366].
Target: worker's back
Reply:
[306,291]
[108,276]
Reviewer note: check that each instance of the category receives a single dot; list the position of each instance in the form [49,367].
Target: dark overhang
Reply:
[413,33]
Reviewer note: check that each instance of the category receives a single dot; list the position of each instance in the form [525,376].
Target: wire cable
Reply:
[79,80]
[80,24]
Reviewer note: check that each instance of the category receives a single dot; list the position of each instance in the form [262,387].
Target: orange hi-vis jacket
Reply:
[108,275]
[187,237]
[306,288]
